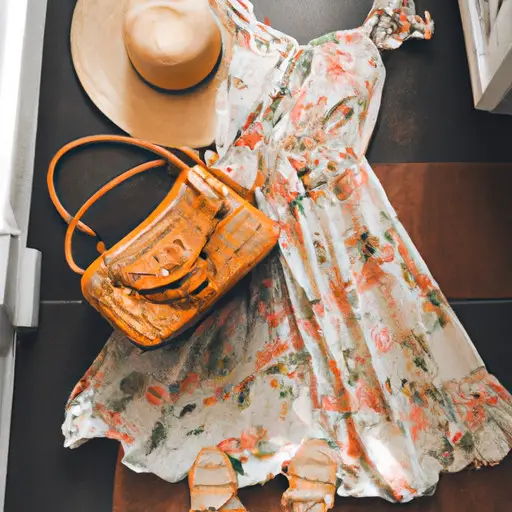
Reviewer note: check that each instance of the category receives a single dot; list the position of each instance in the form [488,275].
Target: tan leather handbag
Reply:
[169,271]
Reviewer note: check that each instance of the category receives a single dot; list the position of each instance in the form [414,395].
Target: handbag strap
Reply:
[74,222]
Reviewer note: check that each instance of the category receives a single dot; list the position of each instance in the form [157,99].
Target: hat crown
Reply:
[173,44]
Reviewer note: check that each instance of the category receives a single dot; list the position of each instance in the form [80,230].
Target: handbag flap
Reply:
[164,249]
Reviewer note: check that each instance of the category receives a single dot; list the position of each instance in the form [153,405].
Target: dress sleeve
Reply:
[238,19]
[391,22]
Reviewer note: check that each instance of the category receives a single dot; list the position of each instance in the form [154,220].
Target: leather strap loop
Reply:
[74,221]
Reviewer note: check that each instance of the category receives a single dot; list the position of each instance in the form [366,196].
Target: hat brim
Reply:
[107,75]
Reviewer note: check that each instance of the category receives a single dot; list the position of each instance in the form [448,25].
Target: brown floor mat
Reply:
[483,490]
[459,215]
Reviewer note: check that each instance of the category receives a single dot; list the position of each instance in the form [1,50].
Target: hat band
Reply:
[187,90]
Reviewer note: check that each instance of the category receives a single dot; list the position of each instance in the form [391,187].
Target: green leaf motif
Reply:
[133,383]
[328,38]
[264,294]
[385,217]
[121,404]
[273,370]
[303,172]
[187,409]
[433,298]
[332,444]
[196,432]
[420,363]
[237,465]
[442,321]
[244,396]
[416,398]
[447,457]
[389,237]
[298,358]
[447,446]
[336,107]
[261,163]
[158,436]
[266,448]
[286,391]
[420,338]
[262,44]
[305,62]
[353,298]
[435,395]
[467,443]
[297,202]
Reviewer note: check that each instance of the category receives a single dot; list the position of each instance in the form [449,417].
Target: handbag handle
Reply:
[74,221]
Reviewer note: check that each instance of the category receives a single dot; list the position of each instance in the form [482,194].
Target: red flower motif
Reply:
[156,395]
[330,403]
[424,282]
[476,417]
[298,165]
[274,319]
[382,338]
[251,137]
[493,400]
[418,421]
[230,445]
[387,254]
[368,397]
[334,68]
[249,439]
[270,352]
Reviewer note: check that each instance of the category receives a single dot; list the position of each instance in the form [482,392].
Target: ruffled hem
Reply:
[479,433]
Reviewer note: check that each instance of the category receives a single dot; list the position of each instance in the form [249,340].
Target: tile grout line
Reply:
[60,302]
[480,301]
[451,301]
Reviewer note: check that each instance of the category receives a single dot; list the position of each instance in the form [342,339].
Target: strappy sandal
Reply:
[312,478]
[213,483]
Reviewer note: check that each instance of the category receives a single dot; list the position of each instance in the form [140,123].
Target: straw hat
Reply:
[152,66]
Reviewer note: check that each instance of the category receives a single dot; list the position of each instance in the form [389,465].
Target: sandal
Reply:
[213,483]
[312,477]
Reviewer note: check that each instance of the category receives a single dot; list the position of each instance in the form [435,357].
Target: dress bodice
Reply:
[301,107]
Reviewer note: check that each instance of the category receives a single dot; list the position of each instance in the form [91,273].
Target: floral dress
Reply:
[341,334]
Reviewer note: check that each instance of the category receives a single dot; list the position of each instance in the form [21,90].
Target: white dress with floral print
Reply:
[342,333]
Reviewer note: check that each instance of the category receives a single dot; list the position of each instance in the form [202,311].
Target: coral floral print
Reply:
[342,334]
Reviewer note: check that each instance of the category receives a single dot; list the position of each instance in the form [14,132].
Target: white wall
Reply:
[21,46]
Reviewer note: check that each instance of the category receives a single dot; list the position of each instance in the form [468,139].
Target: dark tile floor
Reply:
[427,116]
[44,476]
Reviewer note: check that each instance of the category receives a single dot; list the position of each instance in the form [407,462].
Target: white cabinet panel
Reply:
[488,34]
